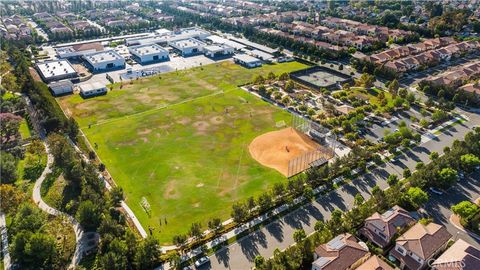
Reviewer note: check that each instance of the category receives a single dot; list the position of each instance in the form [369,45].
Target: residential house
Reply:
[472,88]
[375,263]
[417,246]
[341,253]
[460,256]
[381,228]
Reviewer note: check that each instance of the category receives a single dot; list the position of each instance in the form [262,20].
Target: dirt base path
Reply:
[276,148]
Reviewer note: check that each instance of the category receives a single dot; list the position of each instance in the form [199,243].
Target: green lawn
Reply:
[24,129]
[371,95]
[184,148]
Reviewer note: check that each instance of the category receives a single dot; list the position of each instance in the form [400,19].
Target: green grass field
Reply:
[180,141]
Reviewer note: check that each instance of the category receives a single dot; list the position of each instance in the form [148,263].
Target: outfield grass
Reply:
[186,154]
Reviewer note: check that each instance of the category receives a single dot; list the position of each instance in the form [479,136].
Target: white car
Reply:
[201,261]
[436,191]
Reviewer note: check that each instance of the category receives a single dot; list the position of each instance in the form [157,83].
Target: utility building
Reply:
[92,89]
[247,60]
[188,47]
[213,51]
[145,54]
[105,61]
[61,87]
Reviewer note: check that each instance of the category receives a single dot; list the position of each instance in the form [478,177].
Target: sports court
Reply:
[320,77]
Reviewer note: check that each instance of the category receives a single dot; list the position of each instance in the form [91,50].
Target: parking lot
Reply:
[376,128]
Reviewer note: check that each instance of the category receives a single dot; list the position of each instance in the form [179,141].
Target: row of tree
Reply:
[408,193]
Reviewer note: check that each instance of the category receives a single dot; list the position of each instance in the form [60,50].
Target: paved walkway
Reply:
[3,231]
[81,242]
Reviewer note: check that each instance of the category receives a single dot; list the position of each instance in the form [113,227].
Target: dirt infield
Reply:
[275,149]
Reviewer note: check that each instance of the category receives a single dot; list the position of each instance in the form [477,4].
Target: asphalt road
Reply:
[439,206]
[279,233]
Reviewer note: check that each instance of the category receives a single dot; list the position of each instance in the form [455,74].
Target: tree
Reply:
[195,230]
[239,212]
[358,200]
[407,173]
[465,209]
[215,224]
[271,76]
[33,250]
[289,86]
[392,179]
[419,165]
[88,215]
[8,167]
[259,261]
[447,177]
[179,240]
[117,195]
[308,193]
[299,235]
[367,80]
[416,197]
[433,156]
[284,76]
[469,162]
[262,90]
[410,98]
[264,201]
[402,92]
[393,87]
[28,218]
[11,198]
[175,261]
[259,79]
[278,190]
[147,255]
[439,115]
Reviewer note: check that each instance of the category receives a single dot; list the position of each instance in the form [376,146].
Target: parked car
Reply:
[436,191]
[203,260]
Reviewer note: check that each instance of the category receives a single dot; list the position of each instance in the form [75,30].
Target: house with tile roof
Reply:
[341,253]
[460,256]
[417,246]
[375,263]
[381,228]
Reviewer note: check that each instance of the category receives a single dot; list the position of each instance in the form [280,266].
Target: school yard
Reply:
[179,141]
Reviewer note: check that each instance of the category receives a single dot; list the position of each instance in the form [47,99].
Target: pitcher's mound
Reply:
[275,149]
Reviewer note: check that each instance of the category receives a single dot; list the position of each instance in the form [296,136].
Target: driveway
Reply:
[279,233]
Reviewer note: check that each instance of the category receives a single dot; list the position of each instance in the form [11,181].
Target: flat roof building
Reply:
[188,46]
[262,55]
[56,70]
[92,89]
[103,61]
[61,87]
[220,40]
[217,50]
[247,60]
[254,45]
[163,37]
[148,53]
[79,50]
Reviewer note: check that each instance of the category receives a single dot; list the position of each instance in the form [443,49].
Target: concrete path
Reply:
[37,198]
[3,231]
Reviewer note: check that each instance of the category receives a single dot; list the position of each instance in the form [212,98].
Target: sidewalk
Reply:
[37,198]
[3,231]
